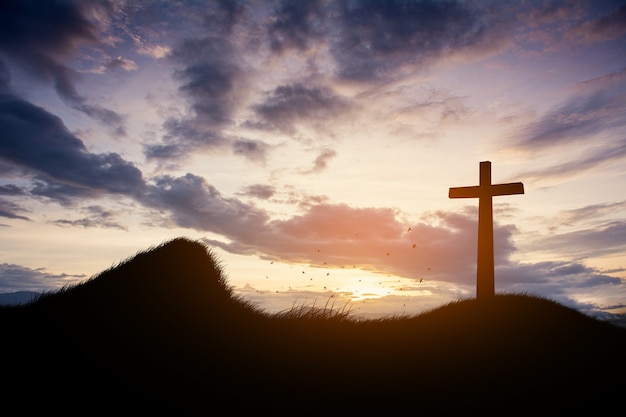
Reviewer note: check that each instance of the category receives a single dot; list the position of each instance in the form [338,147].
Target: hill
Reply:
[163,332]
[18,297]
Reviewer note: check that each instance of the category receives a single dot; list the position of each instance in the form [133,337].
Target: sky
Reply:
[311,146]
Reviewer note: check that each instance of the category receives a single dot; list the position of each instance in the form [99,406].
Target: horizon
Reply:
[312,145]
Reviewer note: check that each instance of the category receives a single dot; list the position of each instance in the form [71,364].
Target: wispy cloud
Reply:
[580,118]
[605,239]
[9,210]
[609,154]
[97,216]
[592,212]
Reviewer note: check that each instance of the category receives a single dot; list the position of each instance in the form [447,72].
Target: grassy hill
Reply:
[162,331]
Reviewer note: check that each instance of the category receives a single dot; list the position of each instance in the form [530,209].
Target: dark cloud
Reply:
[5,76]
[39,141]
[164,152]
[62,193]
[295,24]
[113,121]
[210,79]
[42,32]
[254,150]
[86,222]
[262,191]
[221,15]
[193,203]
[9,210]
[288,105]
[11,189]
[19,278]
[380,38]
[41,37]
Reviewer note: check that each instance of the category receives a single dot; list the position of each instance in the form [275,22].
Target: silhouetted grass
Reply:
[314,312]
[163,332]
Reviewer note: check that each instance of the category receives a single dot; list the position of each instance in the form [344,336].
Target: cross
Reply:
[484,192]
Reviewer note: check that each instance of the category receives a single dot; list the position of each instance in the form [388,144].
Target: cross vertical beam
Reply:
[485,275]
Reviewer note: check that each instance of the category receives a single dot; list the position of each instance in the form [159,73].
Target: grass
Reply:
[313,312]
[163,332]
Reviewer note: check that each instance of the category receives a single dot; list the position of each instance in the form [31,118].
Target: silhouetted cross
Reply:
[484,266]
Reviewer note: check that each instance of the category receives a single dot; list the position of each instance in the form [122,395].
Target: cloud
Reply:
[288,105]
[562,281]
[42,33]
[606,27]
[596,106]
[336,234]
[575,120]
[11,189]
[253,150]
[97,216]
[559,275]
[591,116]
[193,203]
[575,167]
[19,278]
[373,239]
[9,210]
[114,64]
[591,212]
[154,51]
[295,24]
[42,37]
[39,141]
[605,239]
[321,162]
[378,40]
[261,191]
[211,80]
[5,76]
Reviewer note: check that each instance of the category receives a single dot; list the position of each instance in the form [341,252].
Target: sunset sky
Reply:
[311,145]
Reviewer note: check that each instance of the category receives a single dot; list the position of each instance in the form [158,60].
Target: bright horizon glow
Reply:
[314,134]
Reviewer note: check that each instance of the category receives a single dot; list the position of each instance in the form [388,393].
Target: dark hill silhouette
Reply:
[163,332]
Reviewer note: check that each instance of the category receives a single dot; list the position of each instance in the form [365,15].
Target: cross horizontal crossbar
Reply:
[478,191]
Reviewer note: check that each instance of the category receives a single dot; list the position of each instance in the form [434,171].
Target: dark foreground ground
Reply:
[162,332]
